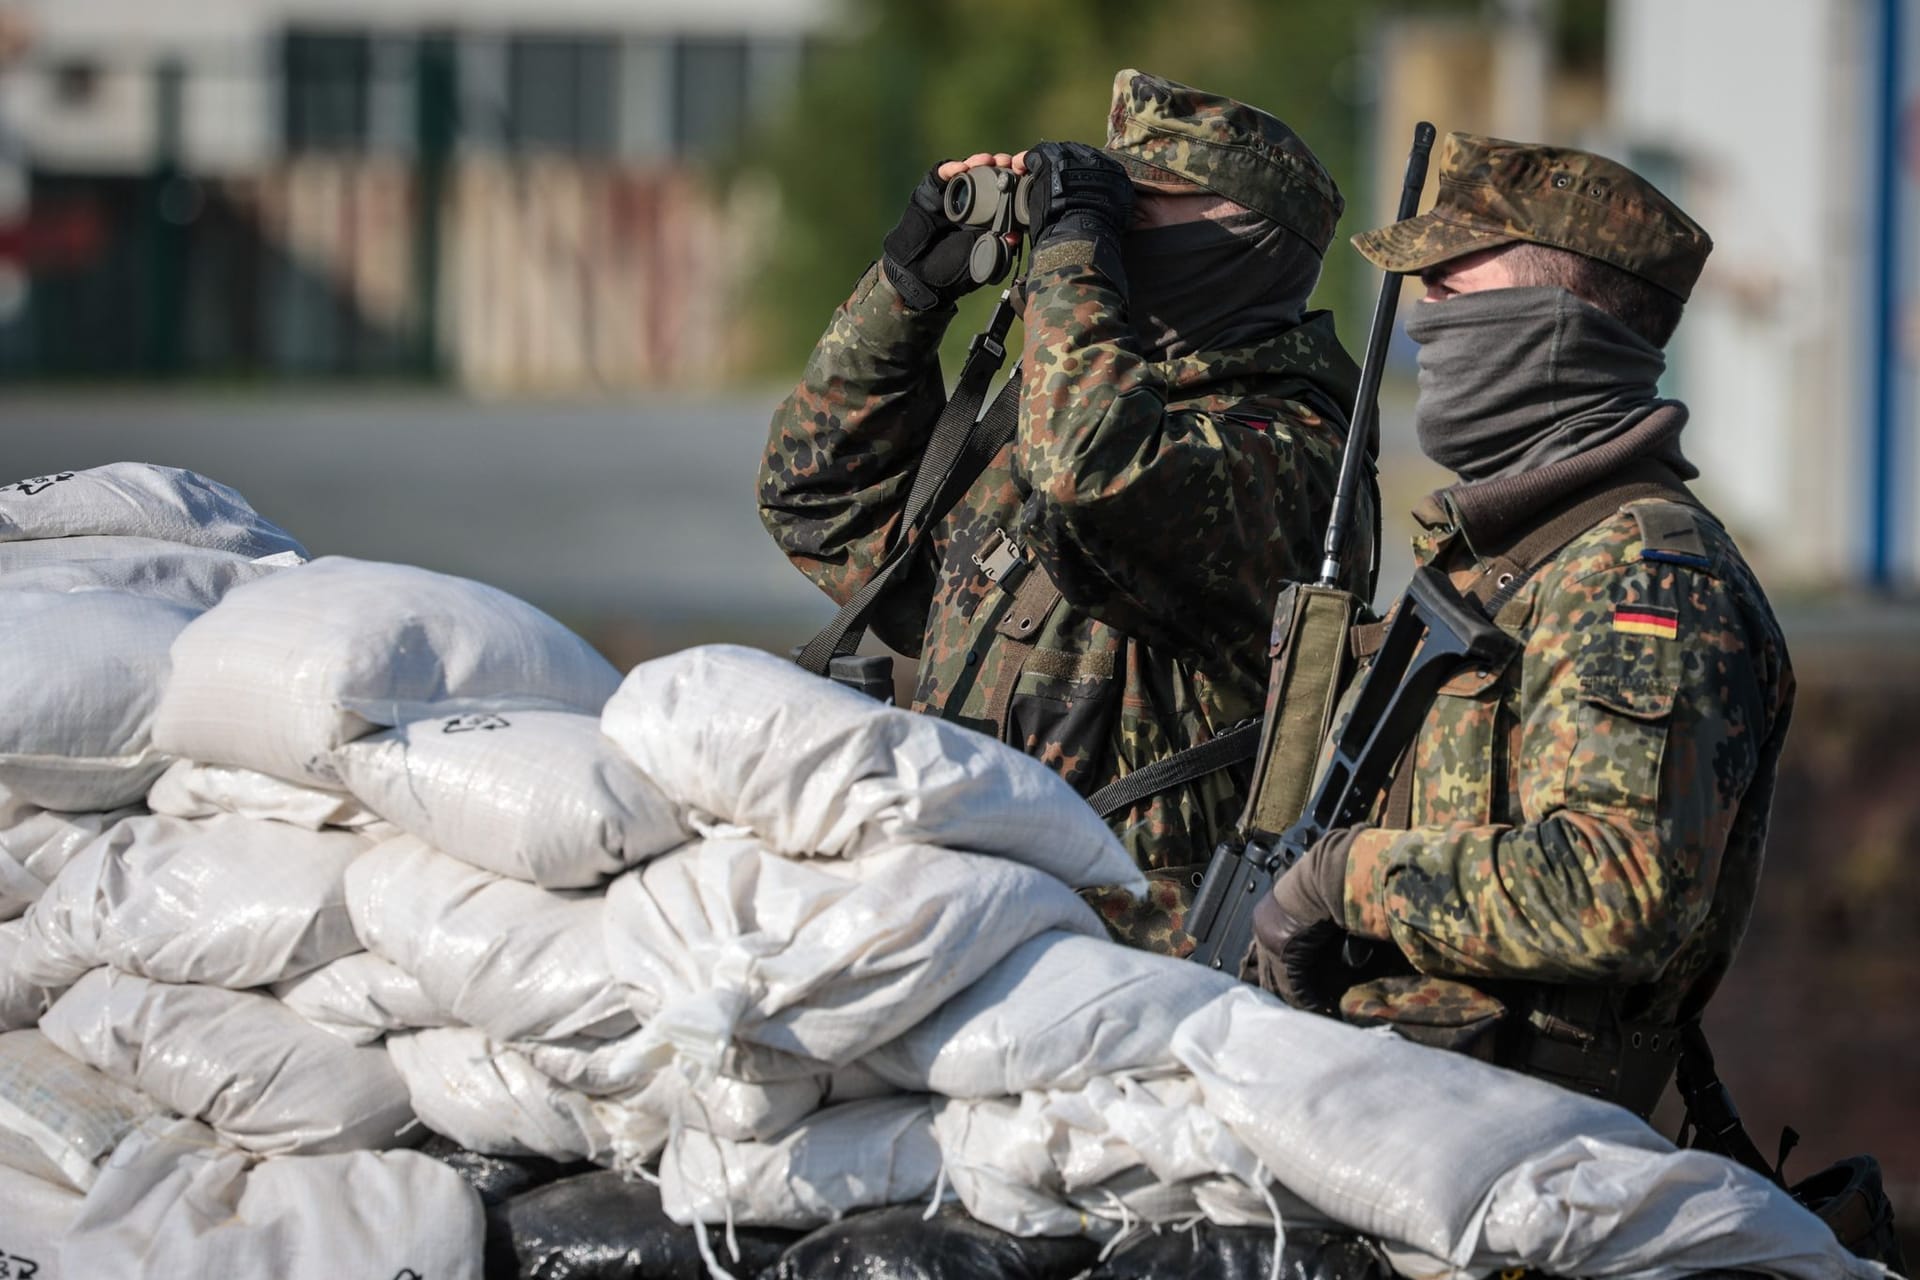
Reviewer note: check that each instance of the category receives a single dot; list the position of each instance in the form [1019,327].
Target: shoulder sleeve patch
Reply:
[1669,534]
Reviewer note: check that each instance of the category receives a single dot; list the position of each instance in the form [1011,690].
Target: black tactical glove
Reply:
[1079,193]
[925,255]
[1299,929]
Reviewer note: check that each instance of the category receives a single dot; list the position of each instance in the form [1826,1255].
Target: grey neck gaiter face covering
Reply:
[1515,379]
[1215,283]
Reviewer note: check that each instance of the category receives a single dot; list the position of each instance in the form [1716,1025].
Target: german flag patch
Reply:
[1647,620]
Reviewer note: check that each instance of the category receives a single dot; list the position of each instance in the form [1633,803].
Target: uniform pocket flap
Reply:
[1642,698]
[1473,682]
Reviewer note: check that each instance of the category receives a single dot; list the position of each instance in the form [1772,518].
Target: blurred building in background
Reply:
[500,191]
[1791,130]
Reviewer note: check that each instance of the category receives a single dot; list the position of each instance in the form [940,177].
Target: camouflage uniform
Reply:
[1165,503]
[1587,822]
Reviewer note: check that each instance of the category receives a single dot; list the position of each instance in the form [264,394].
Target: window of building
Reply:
[562,94]
[326,80]
[710,95]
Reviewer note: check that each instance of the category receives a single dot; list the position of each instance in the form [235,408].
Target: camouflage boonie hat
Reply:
[1494,193]
[1173,138]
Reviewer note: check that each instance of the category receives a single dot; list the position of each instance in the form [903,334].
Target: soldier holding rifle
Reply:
[1564,857]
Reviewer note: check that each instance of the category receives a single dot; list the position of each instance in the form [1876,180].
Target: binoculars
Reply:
[994,201]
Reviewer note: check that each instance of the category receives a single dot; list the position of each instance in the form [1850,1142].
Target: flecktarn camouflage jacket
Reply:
[1153,512]
[1594,813]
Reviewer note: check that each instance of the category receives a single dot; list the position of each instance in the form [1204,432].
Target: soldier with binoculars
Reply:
[1100,596]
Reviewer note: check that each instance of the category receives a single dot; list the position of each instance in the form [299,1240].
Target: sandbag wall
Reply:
[306,861]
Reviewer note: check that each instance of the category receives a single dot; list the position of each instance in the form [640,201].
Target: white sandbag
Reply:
[226,900]
[360,998]
[139,500]
[35,1216]
[540,796]
[196,577]
[292,666]
[21,1002]
[1097,1160]
[816,769]
[59,1118]
[516,961]
[175,1203]
[82,678]
[241,1061]
[1059,1011]
[1388,1137]
[1590,1207]
[641,1123]
[857,1156]
[192,790]
[489,1099]
[729,949]
[36,843]
[615,1068]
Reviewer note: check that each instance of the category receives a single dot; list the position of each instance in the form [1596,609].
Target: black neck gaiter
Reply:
[1215,283]
[1516,379]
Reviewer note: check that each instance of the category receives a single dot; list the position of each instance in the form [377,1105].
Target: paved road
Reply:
[638,514]
[641,510]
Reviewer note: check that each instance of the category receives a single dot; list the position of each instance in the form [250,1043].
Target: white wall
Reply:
[1766,106]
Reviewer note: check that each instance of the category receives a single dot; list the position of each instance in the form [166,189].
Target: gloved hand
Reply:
[1299,929]
[925,255]
[1079,193]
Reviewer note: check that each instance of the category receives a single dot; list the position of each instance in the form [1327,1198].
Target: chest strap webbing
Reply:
[963,445]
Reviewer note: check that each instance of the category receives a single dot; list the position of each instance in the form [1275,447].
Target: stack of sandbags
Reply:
[260,834]
[418,860]
[723,985]
[99,572]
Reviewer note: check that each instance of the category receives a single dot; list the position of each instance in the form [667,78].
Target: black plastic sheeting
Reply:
[498,1178]
[1243,1253]
[552,1221]
[902,1244]
[601,1226]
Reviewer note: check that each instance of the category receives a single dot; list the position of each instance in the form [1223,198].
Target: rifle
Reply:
[1434,633]
[1311,624]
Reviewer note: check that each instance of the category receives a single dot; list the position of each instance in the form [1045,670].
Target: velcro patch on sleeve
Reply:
[1670,534]
[1646,620]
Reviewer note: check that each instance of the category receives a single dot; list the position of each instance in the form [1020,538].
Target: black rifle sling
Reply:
[964,442]
[1710,1113]
[1235,746]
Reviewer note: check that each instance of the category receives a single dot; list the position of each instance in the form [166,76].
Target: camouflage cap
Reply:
[1494,193]
[1170,137]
